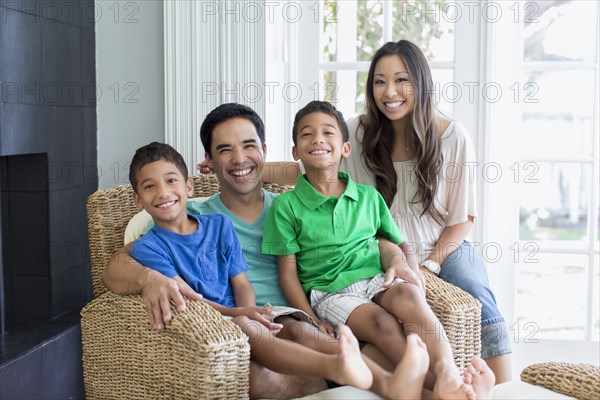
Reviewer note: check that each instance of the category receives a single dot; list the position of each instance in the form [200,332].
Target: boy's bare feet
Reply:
[480,376]
[406,382]
[351,368]
[449,385]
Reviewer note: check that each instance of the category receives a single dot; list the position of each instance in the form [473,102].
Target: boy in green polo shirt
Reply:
[324,234]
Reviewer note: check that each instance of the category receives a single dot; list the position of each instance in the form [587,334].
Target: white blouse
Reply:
[456,193]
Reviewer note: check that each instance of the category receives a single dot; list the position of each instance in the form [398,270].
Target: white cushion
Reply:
[504,391]
[142,221]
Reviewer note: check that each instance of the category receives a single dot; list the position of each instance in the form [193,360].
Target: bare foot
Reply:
[449,385]
[408,377]
[351,368]
[480,376]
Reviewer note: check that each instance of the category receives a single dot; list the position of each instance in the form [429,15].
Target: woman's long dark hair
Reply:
[379,137]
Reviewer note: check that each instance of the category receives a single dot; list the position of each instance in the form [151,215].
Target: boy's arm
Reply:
[245,301]
[124,275]
[293,292]
[393,257]
[398,262]
[243,292]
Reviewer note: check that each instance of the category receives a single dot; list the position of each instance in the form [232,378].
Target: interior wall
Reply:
[130,79]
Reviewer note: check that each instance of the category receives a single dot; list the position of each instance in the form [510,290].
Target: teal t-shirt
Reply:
[334,239]
[262,271]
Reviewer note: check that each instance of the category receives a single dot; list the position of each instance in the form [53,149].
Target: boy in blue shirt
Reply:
[324,234]
[204,252]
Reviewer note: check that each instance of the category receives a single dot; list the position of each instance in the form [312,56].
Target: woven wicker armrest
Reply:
[576,380]
[460,315]
[199,355]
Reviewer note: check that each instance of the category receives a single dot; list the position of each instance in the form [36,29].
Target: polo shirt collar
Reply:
[312,199]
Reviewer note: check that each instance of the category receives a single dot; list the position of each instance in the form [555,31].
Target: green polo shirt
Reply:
[333,238]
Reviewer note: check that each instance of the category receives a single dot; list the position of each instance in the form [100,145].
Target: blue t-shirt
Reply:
[262,272]
[205,259]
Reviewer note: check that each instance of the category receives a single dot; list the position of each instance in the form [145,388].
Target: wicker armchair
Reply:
[199,355]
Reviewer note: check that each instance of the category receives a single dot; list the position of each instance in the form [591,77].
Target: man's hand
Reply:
[257,314]
[159,291]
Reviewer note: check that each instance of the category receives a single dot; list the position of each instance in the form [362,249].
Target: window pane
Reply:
[361,86]
[329,35]
[559,30]
[597,241]
[552,296]
[428,24]
[554,200]
[596,301]
[341,89]
[339,36]
[558,114]
[446,91]
[369,25]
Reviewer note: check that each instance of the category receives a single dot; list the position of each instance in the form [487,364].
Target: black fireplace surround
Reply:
[48,159]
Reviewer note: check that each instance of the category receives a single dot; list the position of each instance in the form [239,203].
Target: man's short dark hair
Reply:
[225,112]
[153,152]
[322,107]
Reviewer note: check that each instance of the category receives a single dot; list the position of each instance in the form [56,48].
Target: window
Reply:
[557,160]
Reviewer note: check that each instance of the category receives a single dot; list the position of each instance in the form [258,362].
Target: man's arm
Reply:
[398,262]
[124,275]
[279,172]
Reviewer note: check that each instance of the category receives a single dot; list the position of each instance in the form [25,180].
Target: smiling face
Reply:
[238,156]
[163,192]
[393,89]
[319,142]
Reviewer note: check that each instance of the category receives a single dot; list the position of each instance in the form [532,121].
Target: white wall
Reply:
[130,81]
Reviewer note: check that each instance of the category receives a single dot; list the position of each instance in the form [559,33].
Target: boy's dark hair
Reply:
[322,107]
[225,112]
[153,152]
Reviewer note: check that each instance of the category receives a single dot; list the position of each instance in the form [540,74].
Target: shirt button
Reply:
[337,212]
[338,226]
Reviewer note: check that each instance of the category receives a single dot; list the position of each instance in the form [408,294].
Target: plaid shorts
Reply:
[336,308]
